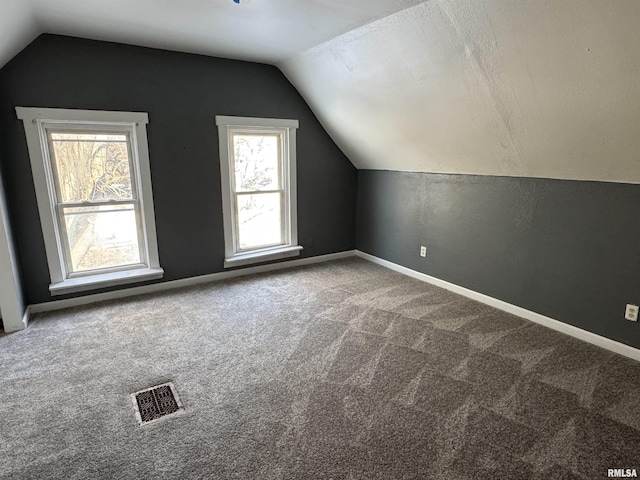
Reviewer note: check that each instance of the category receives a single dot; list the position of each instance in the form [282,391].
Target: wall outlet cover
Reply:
[631,312]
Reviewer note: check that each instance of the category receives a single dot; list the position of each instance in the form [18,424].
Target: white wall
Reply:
[11,301]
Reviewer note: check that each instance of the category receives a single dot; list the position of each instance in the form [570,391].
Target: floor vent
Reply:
[156,403]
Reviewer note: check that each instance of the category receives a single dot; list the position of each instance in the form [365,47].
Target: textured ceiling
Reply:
[542,88]
[546,88]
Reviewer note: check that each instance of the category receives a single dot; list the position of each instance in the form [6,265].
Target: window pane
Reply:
[259,220]
[91,166]
[102,237]
[256,159]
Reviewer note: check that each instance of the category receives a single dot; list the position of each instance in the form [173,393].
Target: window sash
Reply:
[284,234]
[60,206]
[278,134]
[54,183]
[66,248]
[282,179]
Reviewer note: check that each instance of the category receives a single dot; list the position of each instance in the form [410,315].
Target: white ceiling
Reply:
[540,88]
[543,88]
[17,28]
[258,30]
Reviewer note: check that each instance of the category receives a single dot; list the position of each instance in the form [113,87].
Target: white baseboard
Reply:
[557,325]
[185,282]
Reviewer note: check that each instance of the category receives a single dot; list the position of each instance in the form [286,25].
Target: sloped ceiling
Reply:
[17,28]
[542,88]
[257,30]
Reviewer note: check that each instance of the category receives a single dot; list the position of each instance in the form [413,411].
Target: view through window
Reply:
[97,201]
[258,191]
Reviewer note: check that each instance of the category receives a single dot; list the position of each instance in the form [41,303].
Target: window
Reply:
[258,168]
[93,187]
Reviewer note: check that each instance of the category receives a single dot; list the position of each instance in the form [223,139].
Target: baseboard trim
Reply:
[549,322]
[185,282]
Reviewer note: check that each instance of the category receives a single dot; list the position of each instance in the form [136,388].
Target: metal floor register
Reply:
[156,403]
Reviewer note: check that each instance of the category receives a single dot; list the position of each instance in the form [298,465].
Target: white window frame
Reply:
[227,126]
[36,123]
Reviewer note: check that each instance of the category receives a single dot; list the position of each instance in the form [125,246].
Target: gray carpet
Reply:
[342,370]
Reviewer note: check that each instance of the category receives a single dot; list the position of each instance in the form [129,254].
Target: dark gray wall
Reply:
[566,249]
[182,94]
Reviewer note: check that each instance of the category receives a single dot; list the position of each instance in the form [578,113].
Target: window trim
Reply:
[227,125]
[36,121]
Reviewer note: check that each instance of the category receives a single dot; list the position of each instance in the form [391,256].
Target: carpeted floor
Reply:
[342,370]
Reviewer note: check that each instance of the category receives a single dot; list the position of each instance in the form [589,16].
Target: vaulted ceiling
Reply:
[541,88]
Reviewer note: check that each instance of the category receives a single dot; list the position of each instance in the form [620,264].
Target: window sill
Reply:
[92,282]
[262,256]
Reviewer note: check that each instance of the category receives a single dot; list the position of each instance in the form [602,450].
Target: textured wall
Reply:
[565,249]
[182,94]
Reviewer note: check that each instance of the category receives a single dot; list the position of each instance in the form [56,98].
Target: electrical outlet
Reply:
[631,313]
[423,251]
